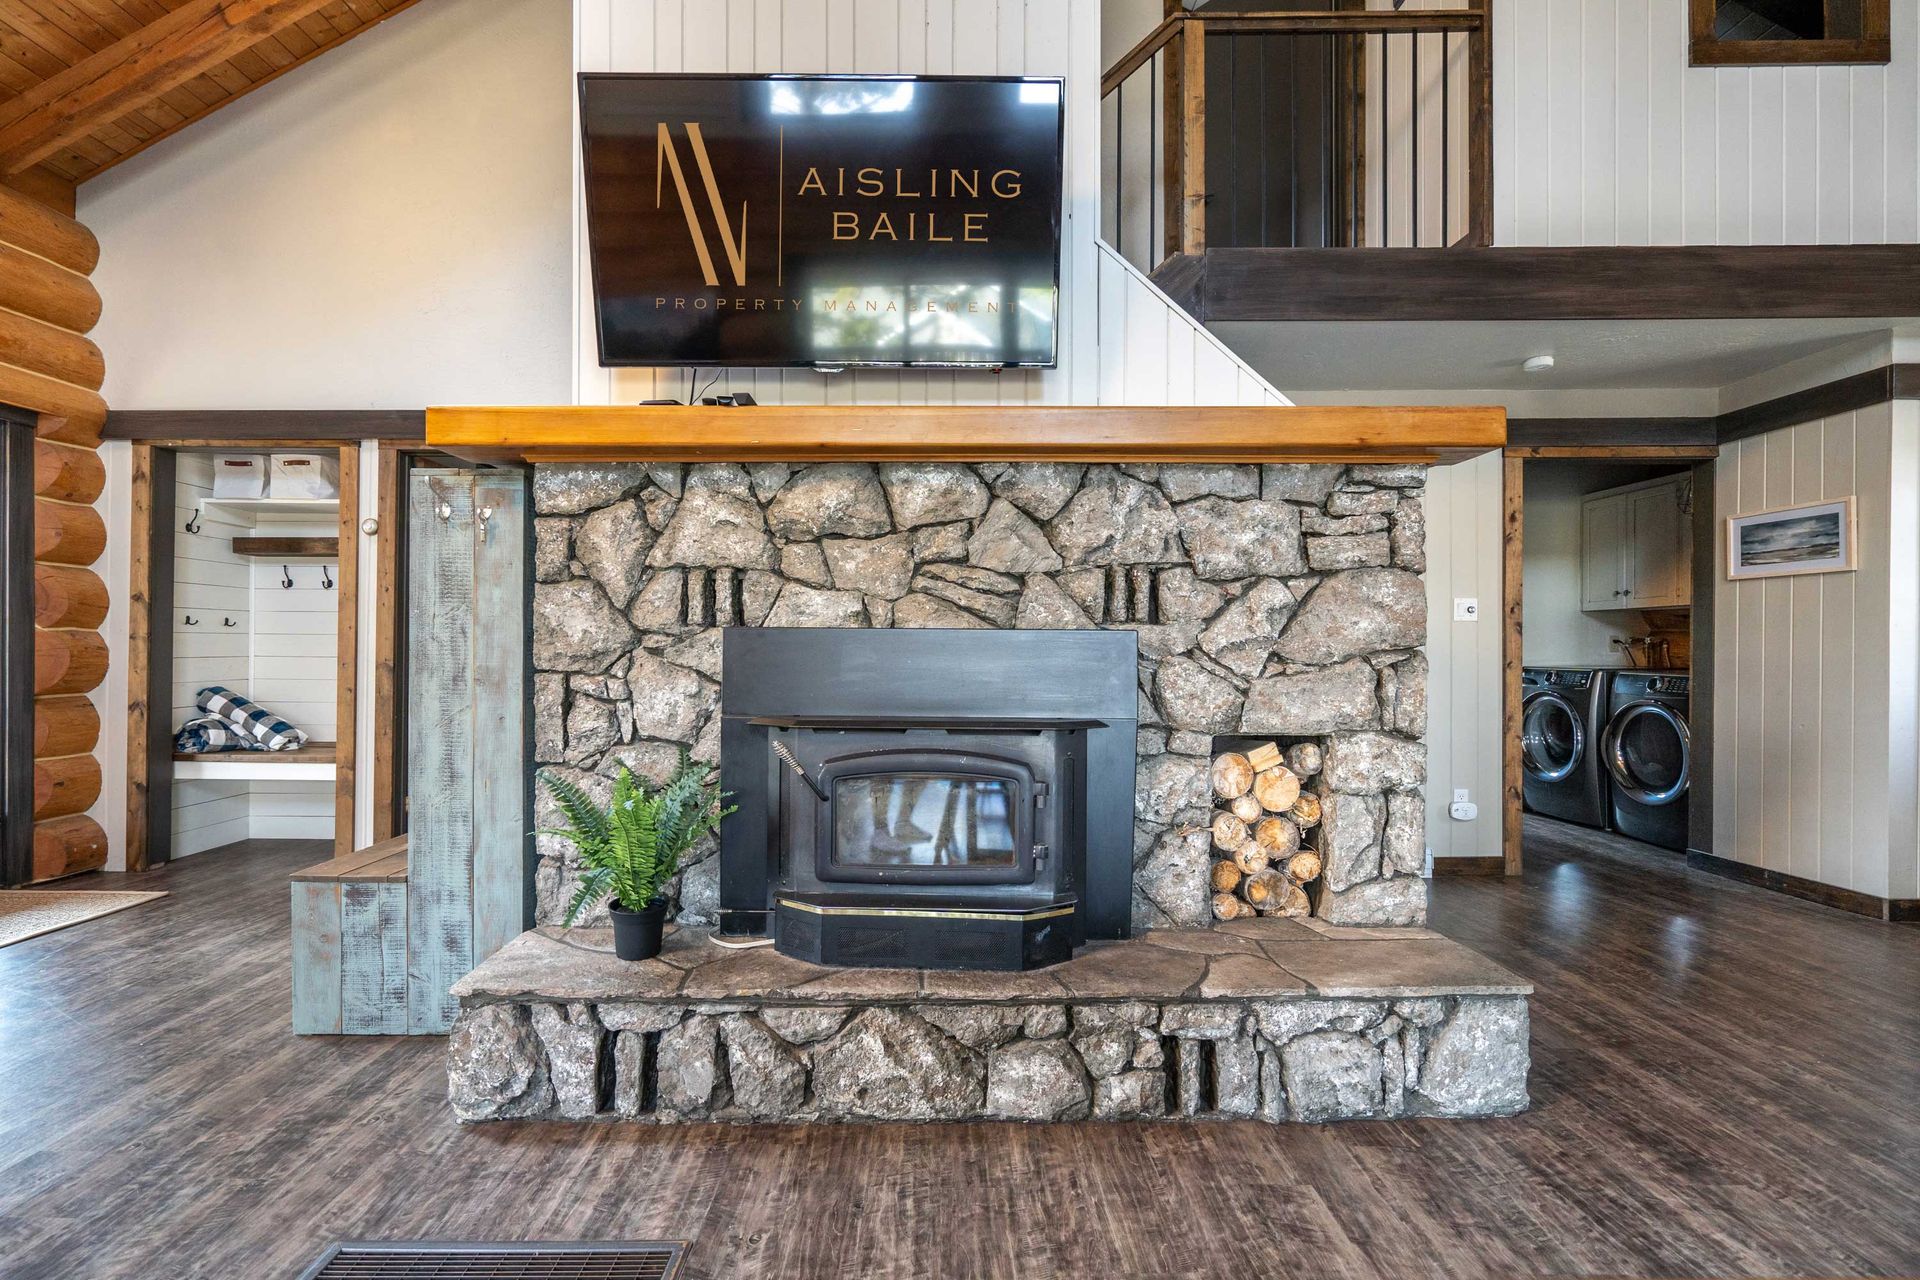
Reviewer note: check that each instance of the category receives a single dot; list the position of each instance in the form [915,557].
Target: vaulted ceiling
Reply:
[86,83]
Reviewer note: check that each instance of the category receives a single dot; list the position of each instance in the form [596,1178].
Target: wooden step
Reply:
[385,860]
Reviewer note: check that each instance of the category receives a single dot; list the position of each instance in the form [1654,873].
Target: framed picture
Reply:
[1815,538]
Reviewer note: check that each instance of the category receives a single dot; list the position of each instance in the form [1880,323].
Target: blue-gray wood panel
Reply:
[501,649]
[373,958]
[316,958]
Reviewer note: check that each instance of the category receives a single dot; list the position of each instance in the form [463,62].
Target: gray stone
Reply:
[573,489]
[592,727]
[1358,502]
[1010,541]
[1043,605]
[1393,1076]
[639,1018]
[1317,700]
[668,477]
[842,498]
[1374,762]
[669,702]
[804,1026]
[716,523]
[1421,1011]
[1359,551]
[698,652]
[651,762]
[940,542]
[1147,1050]
[927,611]
[1341,526]
[629,1074]
[1183,596]
[802,606]
[1174,876]
[1403,846]
[758,594]
[1273,1092]
[575,628]
[888,1065]
[1403,695]
[768,1082]
[767,477]
[932,492]
[1189,1066]
[700,893]
[1282,1020]
[689,1069]
[1037,1080]
[1330,1075]
[1228,540]
[552,548]
[1350,838]
[1399,901]
[1040,488]
[1389,475]
[1209,1021]
[1236,1077]
[496,1069]
[570,1035]
[1308,482]
[549,717]
[1044,1021]
[996,609]
[1410,536]
[660,604]
[1166,786]
[1359,611]
[1476,1064]
[1195,698]
[805,562]
[1115,519]
[974,578]
[1106,1050]
[1131,1095]
[612,544]
[977,1026]
[1244,633]
[1187,743]
[659,506]
[1183,483]
[878,566]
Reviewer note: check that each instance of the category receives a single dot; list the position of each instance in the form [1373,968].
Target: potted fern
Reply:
[631,848]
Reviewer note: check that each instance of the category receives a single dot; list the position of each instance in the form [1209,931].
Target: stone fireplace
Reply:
[1277,600]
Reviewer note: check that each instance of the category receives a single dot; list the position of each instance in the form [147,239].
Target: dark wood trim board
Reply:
[257,426]
[150,659]
[1489,866]
[16,646]
[1547,433]
[1827,895]
[1842,395]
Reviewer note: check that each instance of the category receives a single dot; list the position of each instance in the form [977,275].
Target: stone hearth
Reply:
[1281,601]
[1266,1019]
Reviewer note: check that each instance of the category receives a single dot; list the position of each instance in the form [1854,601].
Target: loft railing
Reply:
[1344,128]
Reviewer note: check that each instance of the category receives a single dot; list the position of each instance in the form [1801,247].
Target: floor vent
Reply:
[536,1260]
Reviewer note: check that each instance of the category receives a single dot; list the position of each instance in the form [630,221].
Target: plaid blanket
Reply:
[235,723]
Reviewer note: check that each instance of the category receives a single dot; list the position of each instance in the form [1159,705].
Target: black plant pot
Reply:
[636,934]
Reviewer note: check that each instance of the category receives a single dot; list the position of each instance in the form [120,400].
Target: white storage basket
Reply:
[304,475]
[239,475]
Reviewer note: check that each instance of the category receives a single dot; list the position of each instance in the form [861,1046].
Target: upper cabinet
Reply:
[1636,546]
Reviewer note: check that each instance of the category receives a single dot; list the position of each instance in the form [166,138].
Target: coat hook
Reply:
[444,511]
[193,521]
[326,579]
[484,514]
[228,622]
[192,621]
[286,578]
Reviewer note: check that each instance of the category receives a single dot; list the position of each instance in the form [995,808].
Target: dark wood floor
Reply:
[1727,1081]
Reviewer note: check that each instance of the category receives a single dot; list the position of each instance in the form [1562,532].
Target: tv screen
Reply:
[823,220]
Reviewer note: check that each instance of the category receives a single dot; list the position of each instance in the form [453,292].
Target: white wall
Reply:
[1814,675]
[210,585]
[1604,135]
[1463,508]
[387,227]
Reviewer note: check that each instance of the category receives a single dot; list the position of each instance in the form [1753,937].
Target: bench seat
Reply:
[350,943]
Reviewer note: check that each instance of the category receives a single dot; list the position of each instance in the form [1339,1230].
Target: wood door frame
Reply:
[16,646]
[1512,560]
[150,641]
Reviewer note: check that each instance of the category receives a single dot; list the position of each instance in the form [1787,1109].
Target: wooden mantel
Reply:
[965,433]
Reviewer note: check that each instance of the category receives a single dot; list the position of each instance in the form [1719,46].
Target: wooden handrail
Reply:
[1135,58]
[1419,21]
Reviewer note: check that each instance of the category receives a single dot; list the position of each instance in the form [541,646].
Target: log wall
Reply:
[49,366]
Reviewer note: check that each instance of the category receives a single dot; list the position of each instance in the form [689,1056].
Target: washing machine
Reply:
[1561,710]
[1647,752]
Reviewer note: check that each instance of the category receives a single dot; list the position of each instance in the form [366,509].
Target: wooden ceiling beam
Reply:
[67,108]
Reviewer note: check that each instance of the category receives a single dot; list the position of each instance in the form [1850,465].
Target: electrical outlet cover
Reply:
[1466,609]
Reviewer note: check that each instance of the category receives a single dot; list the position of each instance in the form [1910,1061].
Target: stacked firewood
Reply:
[1263,861]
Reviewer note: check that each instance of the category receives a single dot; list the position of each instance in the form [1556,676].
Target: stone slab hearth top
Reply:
[1265,959]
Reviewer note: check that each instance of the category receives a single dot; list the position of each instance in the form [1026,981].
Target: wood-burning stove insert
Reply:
[926,798]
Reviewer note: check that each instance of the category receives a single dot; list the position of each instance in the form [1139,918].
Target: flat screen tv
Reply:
[823,220]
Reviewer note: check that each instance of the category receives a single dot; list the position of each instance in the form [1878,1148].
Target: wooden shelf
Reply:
[966,433]
[313,762]
[254,510]
[288,548]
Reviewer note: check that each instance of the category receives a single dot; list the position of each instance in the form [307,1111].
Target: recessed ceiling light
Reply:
[1537,364]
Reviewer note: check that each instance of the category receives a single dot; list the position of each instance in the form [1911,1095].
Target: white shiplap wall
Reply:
[1463,507]
[295,640]
[1604,135]
[209,586]
[1814,720]
[1121,341]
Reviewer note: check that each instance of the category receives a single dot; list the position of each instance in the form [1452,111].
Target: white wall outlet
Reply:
[1461,795]
[1463,811]
[1466,609]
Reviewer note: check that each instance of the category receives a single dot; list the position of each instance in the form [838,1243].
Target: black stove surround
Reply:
[928,798]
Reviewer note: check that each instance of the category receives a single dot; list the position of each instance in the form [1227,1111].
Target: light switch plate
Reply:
[1466,609]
